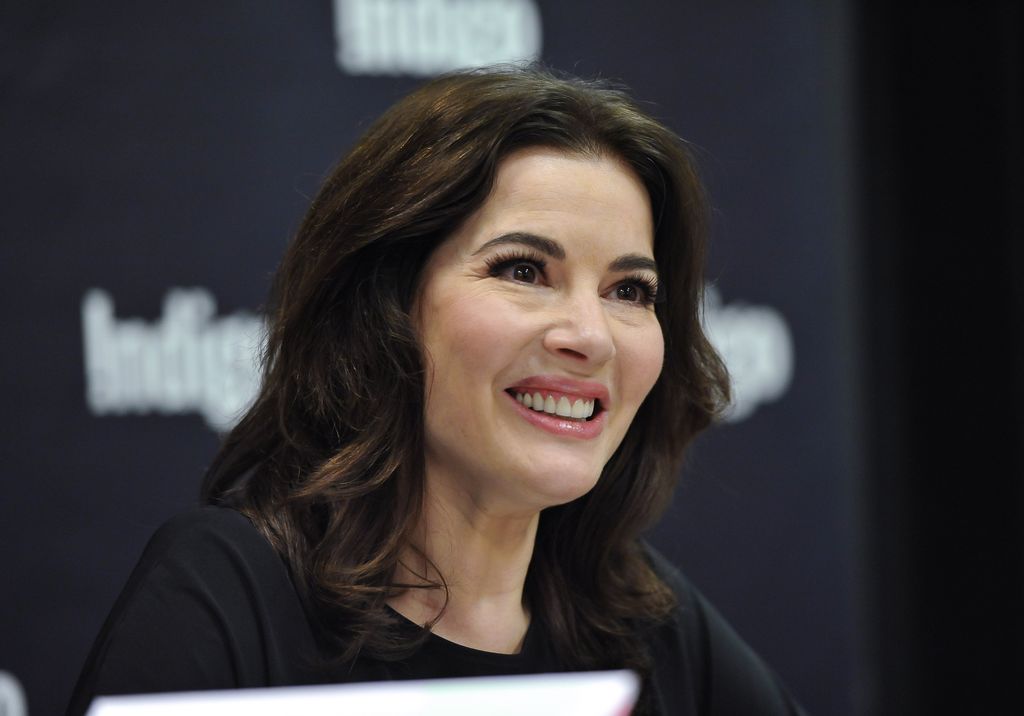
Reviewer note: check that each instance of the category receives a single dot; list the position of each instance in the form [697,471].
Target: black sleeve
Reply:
[702,666]
[209,605]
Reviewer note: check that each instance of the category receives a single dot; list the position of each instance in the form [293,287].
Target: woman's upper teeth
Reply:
[579,409]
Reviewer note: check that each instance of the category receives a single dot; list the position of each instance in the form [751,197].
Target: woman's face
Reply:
[546,291]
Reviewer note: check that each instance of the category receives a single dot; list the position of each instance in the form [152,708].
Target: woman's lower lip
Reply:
[558,425]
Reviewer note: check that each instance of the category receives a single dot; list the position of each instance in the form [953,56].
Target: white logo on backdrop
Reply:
[12,696]
[427,37]
[188,361]
[756,345]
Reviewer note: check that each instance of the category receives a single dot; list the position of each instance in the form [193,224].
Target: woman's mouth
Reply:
[559,404]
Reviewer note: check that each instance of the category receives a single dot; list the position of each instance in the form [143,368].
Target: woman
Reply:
[485,359]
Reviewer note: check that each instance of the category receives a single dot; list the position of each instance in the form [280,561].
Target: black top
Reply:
[211,606]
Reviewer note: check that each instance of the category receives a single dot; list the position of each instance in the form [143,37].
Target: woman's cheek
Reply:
[482,324]
[648,356]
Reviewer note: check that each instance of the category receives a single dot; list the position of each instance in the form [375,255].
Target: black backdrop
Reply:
[941,190]
[146,148]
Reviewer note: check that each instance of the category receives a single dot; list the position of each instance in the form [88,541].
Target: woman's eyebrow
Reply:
[549,247]
[633,262]
[539,243]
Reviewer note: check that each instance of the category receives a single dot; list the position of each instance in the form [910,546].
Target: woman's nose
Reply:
[581,332]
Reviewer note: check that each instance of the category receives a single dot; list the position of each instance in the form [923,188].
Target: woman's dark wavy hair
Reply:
[328,462]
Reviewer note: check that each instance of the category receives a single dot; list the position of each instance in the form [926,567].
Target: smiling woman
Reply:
[545,308]
[484,363]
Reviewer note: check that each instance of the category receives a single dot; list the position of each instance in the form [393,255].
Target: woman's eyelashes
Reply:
[642,290]
[521,267]
[639,289]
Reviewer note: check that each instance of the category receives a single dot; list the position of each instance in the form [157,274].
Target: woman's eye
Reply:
[636,292]
[627,292]
[518,269]
[527,273]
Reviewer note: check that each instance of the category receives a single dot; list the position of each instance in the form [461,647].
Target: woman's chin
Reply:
[559,488]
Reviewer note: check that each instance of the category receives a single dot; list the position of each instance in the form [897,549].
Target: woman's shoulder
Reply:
[728,677]
[215,546]
[207,527]
[215,560]
[209,604]
[667,572]
[203,522]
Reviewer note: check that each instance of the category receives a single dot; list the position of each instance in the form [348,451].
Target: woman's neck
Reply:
[483,556]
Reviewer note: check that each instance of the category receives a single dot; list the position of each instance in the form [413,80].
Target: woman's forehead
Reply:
[583,200]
